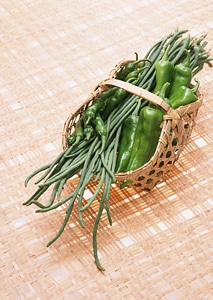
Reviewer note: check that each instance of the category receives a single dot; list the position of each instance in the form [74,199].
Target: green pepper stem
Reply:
[138,61]
[162,93]
[166,53]
[103,143]
[144,60]
[188,60]
[136,56]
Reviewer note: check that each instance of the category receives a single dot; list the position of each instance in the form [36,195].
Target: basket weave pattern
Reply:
[176,131]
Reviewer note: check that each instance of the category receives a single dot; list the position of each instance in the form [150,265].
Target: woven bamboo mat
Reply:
[53,53]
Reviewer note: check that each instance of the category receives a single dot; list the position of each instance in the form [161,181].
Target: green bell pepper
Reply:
[183,96]
[164,72]
[146,139]
[182,74]
[127,139]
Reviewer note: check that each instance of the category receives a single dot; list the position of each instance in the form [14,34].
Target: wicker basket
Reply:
[176,130]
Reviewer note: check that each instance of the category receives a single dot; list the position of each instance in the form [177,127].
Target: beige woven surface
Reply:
[53,53]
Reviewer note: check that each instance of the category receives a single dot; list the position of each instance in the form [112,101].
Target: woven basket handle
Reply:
[138,91]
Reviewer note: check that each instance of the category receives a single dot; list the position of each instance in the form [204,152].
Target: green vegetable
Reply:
[71,139]
[164,72]
[112,102]
[162,93]
[133,75]
[88,131]
[127,139]
[146,138]
[131,66]
[79,131]
[90,112]
[182,74]
[101,129]
[99,102]
[108,93]
[183,96]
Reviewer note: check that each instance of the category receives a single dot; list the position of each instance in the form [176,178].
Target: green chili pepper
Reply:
[134,74]
[71,139]
[164,72]
[127,139]
[88,131]
[79,131]
[100,128]
[146,138]
[112,102]
[131,66]
[183,96]
[182,74]
[90,112]
[108,93]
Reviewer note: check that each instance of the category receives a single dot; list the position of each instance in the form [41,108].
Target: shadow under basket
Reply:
[176,130]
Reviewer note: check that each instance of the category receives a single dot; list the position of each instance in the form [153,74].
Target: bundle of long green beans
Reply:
[85,158]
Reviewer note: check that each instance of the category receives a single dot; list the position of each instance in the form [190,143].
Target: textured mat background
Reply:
[53,53]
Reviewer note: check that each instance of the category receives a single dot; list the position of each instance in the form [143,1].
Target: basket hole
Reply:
[162,154]
[151,172]
[147,189]
[138,184]
[159,174]
[169,163]
[161,164]
[149,181]
[141,178]
[175,142]
[168,154]
[186,126]
[166,146]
